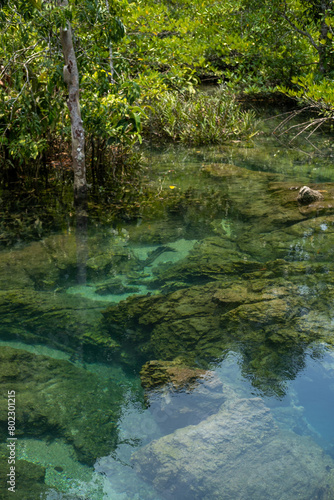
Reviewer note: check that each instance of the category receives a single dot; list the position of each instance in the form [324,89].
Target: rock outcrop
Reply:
[307,195]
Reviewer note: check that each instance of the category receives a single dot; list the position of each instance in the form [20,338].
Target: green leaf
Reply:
[36,3]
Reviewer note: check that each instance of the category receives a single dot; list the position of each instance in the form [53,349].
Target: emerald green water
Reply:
[223,281]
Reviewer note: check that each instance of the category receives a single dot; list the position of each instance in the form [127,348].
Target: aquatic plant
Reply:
[199,118]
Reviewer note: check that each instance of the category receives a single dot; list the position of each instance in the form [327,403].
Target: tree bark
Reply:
[71,77]
[111,62]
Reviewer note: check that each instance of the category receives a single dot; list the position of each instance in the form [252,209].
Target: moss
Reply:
[64,321]
[52,263]
[260,318]
[58,399]
[174,373]
[29,480]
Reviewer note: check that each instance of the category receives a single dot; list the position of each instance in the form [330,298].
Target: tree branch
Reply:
[301,32]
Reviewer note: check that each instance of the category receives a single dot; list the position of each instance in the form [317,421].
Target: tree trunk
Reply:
[71,77]
[324,48]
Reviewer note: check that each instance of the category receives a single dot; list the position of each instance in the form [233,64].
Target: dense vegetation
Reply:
[140,67]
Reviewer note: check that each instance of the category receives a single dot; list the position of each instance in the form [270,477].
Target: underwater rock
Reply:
[238,453]
[201,321]
[307,195]
[115,286]
[212,258]
[270,322]
[178,395]
[64,321]
[232,172]
[163,326]
[57,399]
[29,479]
[175,374]
[307,241]
[52,263]
[156,232]
[269,204]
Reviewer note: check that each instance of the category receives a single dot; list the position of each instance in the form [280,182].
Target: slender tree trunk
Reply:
[111,59]
[71,77]
[325,44]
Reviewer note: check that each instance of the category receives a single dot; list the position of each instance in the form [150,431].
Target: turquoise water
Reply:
[225,286]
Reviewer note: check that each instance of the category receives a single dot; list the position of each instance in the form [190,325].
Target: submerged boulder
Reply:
[174,374]
[270,322]
[238,453]
[57,261]
[29,480]
[60,320]
[212,258]
[308,241]
[269,204]
[57,399]
[179,395]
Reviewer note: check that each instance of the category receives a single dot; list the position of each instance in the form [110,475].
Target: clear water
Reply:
[231,257]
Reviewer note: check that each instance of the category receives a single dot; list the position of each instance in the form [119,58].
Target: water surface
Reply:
[221,273]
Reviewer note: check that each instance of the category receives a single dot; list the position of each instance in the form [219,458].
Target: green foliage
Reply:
[160,51]
[33,112]
[198,118]
[312,92]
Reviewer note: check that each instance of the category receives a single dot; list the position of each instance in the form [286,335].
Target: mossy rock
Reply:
[213,258]
[174,374]
[270,203]
[155,232]
[270,322]
[58,319]
[55,262]
[308,241]
[29,480]
[165,326]
[54,398]
[265,195]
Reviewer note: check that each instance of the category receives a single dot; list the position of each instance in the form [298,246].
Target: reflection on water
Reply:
[193,356]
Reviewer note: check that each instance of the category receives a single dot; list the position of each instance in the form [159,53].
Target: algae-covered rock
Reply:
[181,323]
[200,322]
[54,262]
[257,196]
[28,480]
[156,232]
[307,241]
[212,258]
[179,395]
[238,453]
[57,399]
[172,373]
[268,203]
[270,322]
[61,320]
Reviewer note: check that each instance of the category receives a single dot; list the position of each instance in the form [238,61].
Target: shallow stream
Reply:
[223,290]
